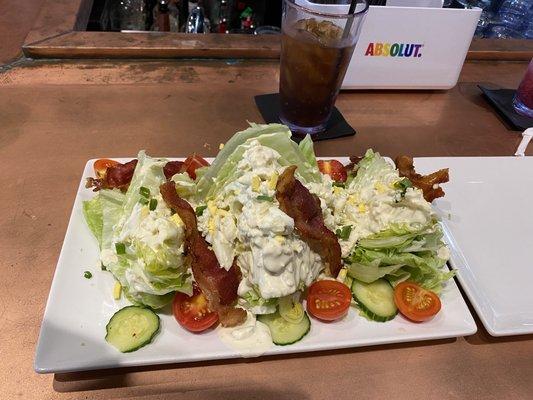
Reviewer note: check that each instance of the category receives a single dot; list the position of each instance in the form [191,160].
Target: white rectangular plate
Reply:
[78,309]
[488,210]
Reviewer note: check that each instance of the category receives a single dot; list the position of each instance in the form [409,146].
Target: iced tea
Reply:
[314,59]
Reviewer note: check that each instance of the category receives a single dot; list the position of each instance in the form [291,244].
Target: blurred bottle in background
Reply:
[127,15]
[220,16]
[502,19]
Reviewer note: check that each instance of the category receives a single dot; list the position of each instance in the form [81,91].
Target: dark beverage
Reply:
[314,60]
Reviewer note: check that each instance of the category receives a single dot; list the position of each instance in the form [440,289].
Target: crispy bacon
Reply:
[429,184]
[116,177]
[298,203]
[171,168]
[218,285]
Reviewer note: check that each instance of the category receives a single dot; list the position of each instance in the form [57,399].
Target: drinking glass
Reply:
[523,99]
[317,43]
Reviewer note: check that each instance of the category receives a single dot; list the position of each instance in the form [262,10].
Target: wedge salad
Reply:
[265,241]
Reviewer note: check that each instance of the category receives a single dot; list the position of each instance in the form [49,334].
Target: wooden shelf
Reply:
[59,32]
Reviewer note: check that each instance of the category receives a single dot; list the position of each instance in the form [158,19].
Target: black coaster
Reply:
[502,101]
[268,105]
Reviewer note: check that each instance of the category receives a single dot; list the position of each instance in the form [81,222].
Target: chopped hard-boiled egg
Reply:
[176,219]
[273,181]
[380,187]
[256,183]
[117,291]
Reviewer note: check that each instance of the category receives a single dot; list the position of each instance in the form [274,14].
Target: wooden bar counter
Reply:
[54,116]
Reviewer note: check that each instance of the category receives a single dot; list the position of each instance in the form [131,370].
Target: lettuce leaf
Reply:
[92,212]
[411,256]
[258,305]
[372,168]
[149,174]
[278,137]
[112,202]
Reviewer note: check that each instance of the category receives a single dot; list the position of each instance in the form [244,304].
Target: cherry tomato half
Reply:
[192,163]
[100,166]
[328,300]
[333,168]
[192,312]
[415,302]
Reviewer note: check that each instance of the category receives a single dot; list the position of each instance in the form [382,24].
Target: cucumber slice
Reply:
[131,328]
[290,310]
[284,332]
[375,299]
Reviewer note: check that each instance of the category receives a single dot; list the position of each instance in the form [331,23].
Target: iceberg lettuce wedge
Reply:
[278,137]
[151,266]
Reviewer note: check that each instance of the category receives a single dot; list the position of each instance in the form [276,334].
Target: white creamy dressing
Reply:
[251,339]
[372,206]
[244,220]
[150,228]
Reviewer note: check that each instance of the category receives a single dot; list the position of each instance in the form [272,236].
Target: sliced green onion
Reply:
[143,201]
[403,185]
[144,191]
[103,267]
[88,274]
[120,248]
[262,197]
[344,232]
[200,210]
[339,184]
[153,204]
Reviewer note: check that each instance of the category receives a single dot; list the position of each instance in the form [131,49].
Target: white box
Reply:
[440,37]
[437,40]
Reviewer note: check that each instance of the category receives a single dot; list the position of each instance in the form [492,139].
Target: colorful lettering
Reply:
[400,52]
[408,50]
[394,50]
[386,49]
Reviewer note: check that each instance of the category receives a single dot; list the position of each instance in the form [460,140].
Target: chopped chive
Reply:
[339,184]
[262,197]
[144,191]
[153,204]
[88,274]
[403,184]
[200,210]
[344,232]
[120,248]
[143,201]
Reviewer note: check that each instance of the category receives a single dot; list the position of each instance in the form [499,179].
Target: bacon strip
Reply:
[116,177]
[171,168]
[302,206]
[218,285]
[429,184]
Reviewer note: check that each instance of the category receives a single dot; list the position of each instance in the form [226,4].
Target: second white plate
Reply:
[488,214]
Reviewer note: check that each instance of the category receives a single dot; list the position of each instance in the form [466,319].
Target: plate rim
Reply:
[469,329]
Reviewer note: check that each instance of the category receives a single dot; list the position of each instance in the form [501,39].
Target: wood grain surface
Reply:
[55,116]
